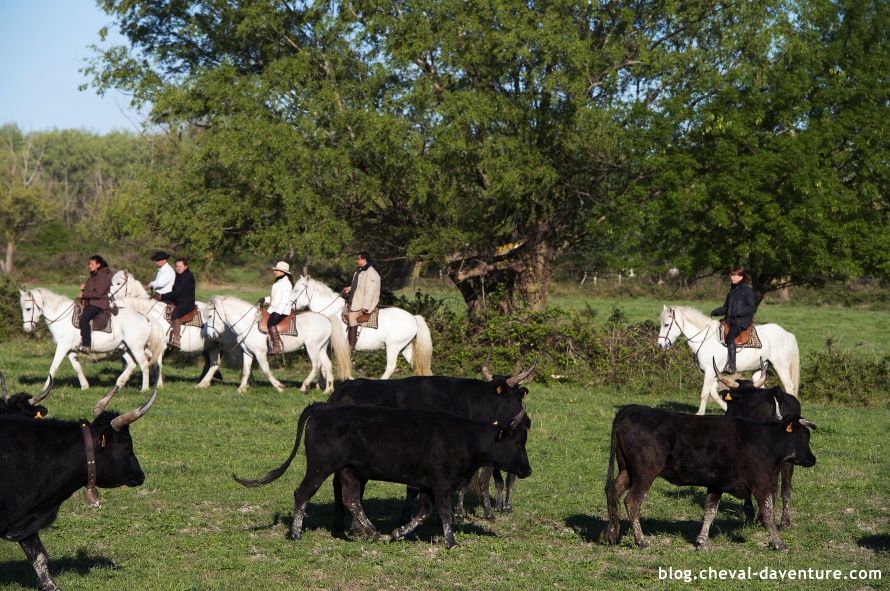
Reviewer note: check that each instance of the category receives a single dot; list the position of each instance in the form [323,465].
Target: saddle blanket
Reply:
[289,321]
[368,320]
[193,318]
[753,341]
[101,323]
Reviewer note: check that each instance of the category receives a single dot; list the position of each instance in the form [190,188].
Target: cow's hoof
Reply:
[642,544]
[699,545]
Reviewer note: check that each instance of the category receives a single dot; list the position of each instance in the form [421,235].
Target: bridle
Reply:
[674,321]
[309,299]
[211,307]
[38,307]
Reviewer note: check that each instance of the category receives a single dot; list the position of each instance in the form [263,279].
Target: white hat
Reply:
[282,266]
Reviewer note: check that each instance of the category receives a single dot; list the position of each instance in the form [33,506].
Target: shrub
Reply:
[10,309]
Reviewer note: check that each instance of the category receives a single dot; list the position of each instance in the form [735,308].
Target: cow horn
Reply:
[3,387]
[100,406]
[122,421]
[778,412]
[517,419]
[485,372]
[516,380]
[807,423]
[43,394]
[731,384]
[759,383]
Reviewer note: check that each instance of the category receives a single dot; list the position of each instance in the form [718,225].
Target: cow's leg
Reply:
[766,502]
[352,496]
[508,497]
[483,480]
[426,509]
[410,494]
[615,489]
[787,471]
[443,503]
[339,513]
[307,489]
[39,559]
[246,363]
[632,502]
[498,490]
[749,508]
[459,515]
[712,500]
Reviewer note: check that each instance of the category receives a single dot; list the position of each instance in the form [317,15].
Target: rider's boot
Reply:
[730,358]
[352,337]
[175,329]
[276,340]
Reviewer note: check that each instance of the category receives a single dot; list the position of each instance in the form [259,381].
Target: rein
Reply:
[309,299]
[212,306]
[706,330]
[43,313]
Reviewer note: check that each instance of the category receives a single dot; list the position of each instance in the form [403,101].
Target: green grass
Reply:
[190,526]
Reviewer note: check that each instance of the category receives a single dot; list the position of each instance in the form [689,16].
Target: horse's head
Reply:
[669,328]
[123,284]
[299,295]
[32,309]
[214,325]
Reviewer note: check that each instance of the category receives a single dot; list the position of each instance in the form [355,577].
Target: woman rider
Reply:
[95,299]
[738,310]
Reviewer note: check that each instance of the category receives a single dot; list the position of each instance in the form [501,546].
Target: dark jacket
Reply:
[96,288]
[740,305]
[183,292]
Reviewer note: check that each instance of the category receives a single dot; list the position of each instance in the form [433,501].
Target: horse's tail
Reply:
[422,355]
[341,348]
[795,369]
[277,472]
[156,343]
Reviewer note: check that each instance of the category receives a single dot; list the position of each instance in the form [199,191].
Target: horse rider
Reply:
[279,303]
[95,299]
[182,296]
[738,310]
[363,295]
[163,282]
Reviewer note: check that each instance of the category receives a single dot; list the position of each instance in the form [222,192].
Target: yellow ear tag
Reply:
[499,389]
[789,427]
[524,395]
[495,423]
[103,440]
[728,397]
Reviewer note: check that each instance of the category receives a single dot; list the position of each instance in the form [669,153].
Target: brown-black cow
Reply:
[434,452]
[724,454]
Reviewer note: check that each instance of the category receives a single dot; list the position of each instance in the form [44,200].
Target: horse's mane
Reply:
[141,305]
[131,281]
[237,304]
[695,317]
[52,299]
[317,288]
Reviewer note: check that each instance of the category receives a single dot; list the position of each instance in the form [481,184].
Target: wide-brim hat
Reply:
[282,266]
[160,256]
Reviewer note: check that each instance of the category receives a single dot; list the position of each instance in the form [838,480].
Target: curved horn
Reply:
[3,387]
[485,372]
[731,384]
[517,419]
[759,383]
[778,412]
[807,423]
[516,380]
[100,406]
[43,394]
[122,421]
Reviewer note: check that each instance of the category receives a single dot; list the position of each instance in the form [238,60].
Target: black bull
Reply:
[434,452]
[23,404]
[42,463]
[746,398]
[482,401]
[724,454]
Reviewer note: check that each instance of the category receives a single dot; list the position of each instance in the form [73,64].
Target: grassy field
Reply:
[190,526]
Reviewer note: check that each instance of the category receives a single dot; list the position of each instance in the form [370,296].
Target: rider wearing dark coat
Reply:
[95,299]
[182,296]
[738,310]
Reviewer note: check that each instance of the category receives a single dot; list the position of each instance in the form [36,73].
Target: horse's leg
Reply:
[263,362]
[139,357]
[212,361]
[327,371]
[705,392]
[247,362]
[392,358]
[72,357]
[128,370]
[314,353]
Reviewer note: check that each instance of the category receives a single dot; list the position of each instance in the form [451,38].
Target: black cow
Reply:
[477,400]
[725,454]
[23,404]
[746,398]
[42,463]
[434,452]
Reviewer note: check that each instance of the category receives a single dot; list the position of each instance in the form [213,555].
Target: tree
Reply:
[23,199]
[785,168]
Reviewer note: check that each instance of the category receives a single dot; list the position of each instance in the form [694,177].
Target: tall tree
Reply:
[785,167]
[24,200]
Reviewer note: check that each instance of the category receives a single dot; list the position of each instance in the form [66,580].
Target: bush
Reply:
[10,308]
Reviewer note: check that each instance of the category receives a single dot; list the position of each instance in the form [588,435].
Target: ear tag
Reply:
[103,440]
[495,423]
[727,397]
[524,395]
[499,389]
[788,429]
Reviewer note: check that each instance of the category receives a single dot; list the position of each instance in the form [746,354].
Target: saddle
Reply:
[287,326]
[101,323]
[192,318]
[367,320]
[747,338]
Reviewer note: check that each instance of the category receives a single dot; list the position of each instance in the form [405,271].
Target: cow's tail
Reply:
[795,369]
[422,356]
[277,472]
[341,348]
[612,525]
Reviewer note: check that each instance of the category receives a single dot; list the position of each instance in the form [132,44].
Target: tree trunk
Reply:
[538,256]
[6,266]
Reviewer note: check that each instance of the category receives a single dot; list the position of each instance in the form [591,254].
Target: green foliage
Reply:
[835,376]
[10,309]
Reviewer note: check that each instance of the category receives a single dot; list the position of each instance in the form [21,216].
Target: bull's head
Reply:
[116,464]
[727,383]
[27,405]
[513,381]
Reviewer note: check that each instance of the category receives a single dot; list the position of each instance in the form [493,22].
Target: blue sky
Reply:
[43,44]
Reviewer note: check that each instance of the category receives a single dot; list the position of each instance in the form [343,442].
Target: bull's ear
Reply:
[790,427]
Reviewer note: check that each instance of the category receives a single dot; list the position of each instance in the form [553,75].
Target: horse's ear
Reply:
[664,307]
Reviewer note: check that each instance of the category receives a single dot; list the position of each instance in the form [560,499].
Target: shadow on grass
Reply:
[878,543]
[22,573]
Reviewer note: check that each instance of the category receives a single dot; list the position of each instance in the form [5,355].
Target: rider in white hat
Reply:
[279,303]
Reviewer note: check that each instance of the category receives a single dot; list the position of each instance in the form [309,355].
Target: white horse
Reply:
[700,332]
[124,285]
[398,330]
[314,333]
[139,338]
[194,338]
